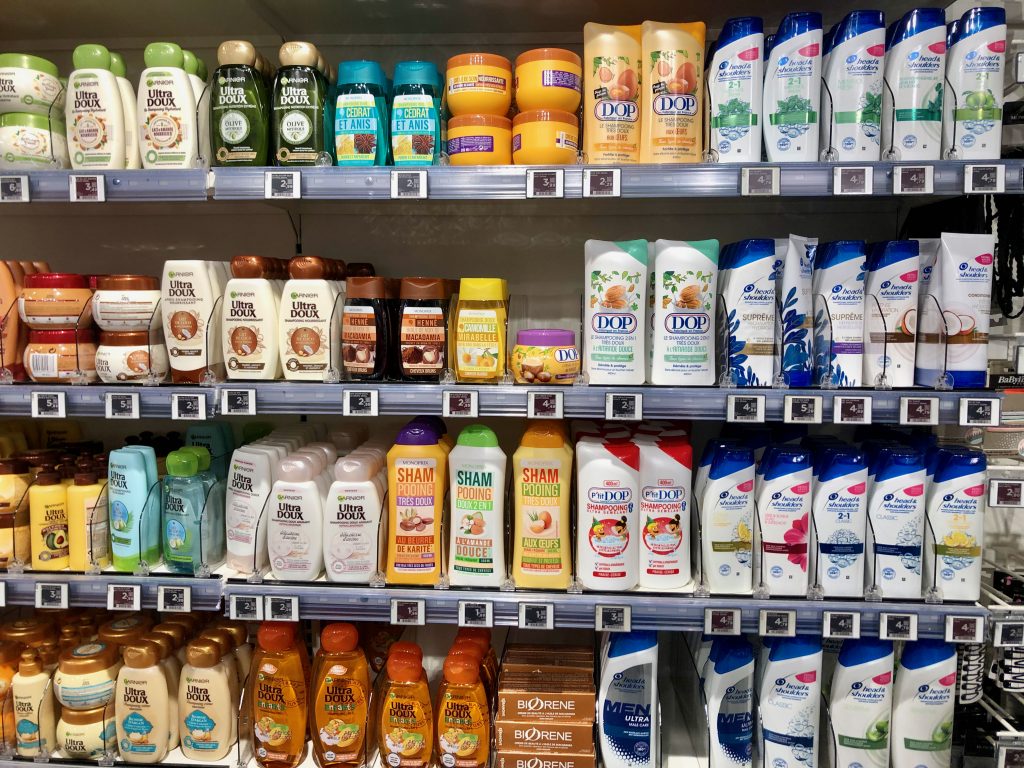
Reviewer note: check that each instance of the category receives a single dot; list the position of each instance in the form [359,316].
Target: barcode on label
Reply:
[43,365]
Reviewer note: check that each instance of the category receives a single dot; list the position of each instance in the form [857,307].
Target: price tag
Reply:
[745,408]
[851,410]
[1008,634]
[13,189]
[627,406]
[913,180]
[536,616]
[190,407]
[613,618]
[965,629]
[757,180]
[123,405]
[1010,757]
[476,614]
[51,595]
[409,185]
[897,626]
[409,612]
[459,404]
[48,405]
[544,405]
[3,594]
[173,599]
[919,410]
[774,623]
[601,182]
[984,179]
[124,597]
[1005,493]
[245,607]
[979,412]
[359,402]
[840,625]
[852,181]
[238,402]
[802,409]
[722,621]
[282,185]
[545,182]
[86,189]
[280,608]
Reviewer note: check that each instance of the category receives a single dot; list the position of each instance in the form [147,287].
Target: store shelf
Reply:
[121,186]
[91,399]
[90,590]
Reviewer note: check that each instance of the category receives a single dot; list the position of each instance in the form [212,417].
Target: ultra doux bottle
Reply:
[340,698]
[141,708]
[277,694]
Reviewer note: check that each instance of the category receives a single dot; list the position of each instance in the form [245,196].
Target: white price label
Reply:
[86,189]
[965,629]
[238,402]
[759,180]
[802,409]
[897,626]
[170,599]
[13,189]
[281,608]
[408,612]
[122,405]
[245,607]
[602,182]
[919,410]
[124,597]
[625,406]
[852,181]
[49,405]
[459,404]
[51,595]
[282,185]
[545,182]
[840,625]
[979,412]
[188,407]
[984,179]
[536,616]
[3,594]
[722,621]
[359,402]
[745,408]
[1005,493]
[847,409]
[544,405]
[409,185]
[613,618]
[1008,634]
[913,179]
[473,613]
[777,623]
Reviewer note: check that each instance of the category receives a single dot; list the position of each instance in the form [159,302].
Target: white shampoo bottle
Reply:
[93,113]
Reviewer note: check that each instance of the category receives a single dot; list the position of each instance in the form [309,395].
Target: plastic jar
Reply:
[32,143]
[125,356]
[55,300]
[86,675]
[479,140]
[479,84]
[126,302]
[86,734]
[548,78]
[545,356]
[31,85]
[545,137]
[51,356]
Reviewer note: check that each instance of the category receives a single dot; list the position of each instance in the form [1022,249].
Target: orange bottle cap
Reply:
[404,668]
[339,638]
[478,642]
[461,670]
[276,636]
[468,651]
[482,632]
[404,646]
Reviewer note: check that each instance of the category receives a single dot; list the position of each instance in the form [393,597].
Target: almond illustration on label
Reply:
[689,297]
[615,297]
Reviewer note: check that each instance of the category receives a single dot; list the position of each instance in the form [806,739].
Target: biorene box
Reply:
[556,737]
[533,760]
[551,698]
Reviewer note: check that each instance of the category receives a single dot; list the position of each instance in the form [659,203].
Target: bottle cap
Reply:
[316,457]
[422,73]
[13,467]
[548,54]
[339,637]
[539,435]
[29,664]
[48,478]
[294,54]
[202,71]
[221,637]
[479,60]
[164,55]
[90,56]
[546,337]
[328,450]
[141,654]
[422,288]
[85,478]
[416,434]
[182,463]
[461,670]
[202,454]
[478,436]
[365,288]
[162,641]
[361,269]
[482,633]
[355,469]
[362,71]
[117,65]
[467,649]
[176,632]
[237,629]
[405,646]
[237,52]
[203,653]
[190,64]
[481,289]
[276,636]
[404,668]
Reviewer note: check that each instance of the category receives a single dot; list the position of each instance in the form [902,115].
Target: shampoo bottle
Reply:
[31,695]
[860,704]
[476,467]
[923,705]
[168,132]
[463,732]
[88,523]
[896,509]
[727,512]
[627,704]
[252,473]
[299,98]
[956,525]
[93,114]
[188,538]
[189,300]
[352,521]
[141,711]
[239,106]
[735,85]
[729,693]
[405,732]
[664,517]
[890,312]
[205,706]
[840,518]
[613,342]
[792,90]
[249,322]
[295,522]
[788,701]
[128,106]
[48,518]
[838,287]
[746,285]
[340,699]
[672,88]
[277,696]
[309,322]
[783,509]
[793,320]
[134,509]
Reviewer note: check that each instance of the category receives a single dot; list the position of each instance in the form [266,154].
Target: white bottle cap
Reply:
[346,440]
[327,449]
[316,456]
[297,469]
[354,470]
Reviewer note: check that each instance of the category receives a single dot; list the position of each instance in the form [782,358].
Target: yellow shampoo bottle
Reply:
[542,536]
[48,520]
[463,716]
[278,697]
[417,480]
[481,318]
[671,121]
[405,734]
[340,700]
[612,79]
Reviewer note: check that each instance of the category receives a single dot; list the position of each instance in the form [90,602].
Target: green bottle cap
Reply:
[191,65]
[201,453]
[117,65]
[91,56]
[164,55]
[182,463]
[478,436]
[203,72]
[26,61]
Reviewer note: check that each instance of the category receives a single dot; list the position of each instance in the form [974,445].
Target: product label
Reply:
[749,309]
[27,723]
[727,527]
[310,340]
[840,518]
[359,339]
[792,84]
[544,365]
[422,343]
[357,129]
[675,80]
[199,729]
[932,720]
[237,102]
[298,128]
[783,509]
[244,323]
[978,91]
[90,132]
[735,722]
[661,510]
[688,298]
[839,330]
[97,528]
[340,717]
[351,532]
[731,90]
[866,708]
[186,316]
[294,546]
[27,145]
[52,534]
[615,301]
[559,78]
[416,507]
[167,127]
[540,538]
[607,510]
[138,731]
[462,144]
[478,343]
[180,529]
[277,700]
[405,723]
[475,491]
[244,503]
[480,83]
[896,515]
[958,524]
[414,130]
[789,717]
[613,114]
[28,90]
[460,726]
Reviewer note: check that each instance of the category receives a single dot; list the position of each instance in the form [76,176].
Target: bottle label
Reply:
[414,122]
[540,491]
[277,701]
[90,133]
[298,117]
[237,107]
[53,533]
[359,339]
[307,332]
[138,731]
[341,718]
[199,726]
[478,83]
[478,344]
[294,547]
[356,129]
[559,78]
[688,297]
[459,733]
[616,301]
[607,513]
[243,335]
[416,506]
[462,144]
[351,540]
[404,725]
[676,82]
[179,533]
[473,516]
[422,341]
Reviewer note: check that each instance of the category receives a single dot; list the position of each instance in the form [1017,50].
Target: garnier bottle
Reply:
[239,106]
[405,732]
[300,92]
[463,729]
[278,697]
[340,698]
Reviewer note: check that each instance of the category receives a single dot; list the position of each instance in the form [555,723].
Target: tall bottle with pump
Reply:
[477,539]
[93,112]
[277,696]
[299,96]
[340,699]
[168,131]
[128,105]
[239,107]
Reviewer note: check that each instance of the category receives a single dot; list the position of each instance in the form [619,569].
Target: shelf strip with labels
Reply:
[94,591]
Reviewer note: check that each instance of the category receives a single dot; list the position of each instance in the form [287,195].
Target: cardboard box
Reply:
[544,760]
[541,702]
[557,737]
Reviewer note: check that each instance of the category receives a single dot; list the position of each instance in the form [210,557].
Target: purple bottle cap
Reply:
[546,337]
[417,434]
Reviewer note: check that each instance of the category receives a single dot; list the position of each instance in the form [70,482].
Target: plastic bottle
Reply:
[476,467]
[205,704]
[252,473]
[190,298]
[840,519]
[421,336]
[479,342]
[15,525]
[352,521]
[747,307]
[727,517]
[541,530]
[366,330]
[171,668]
[93,113]
[627,701]
[310,318]
[134,509]
[923,705]
[277,696]
[463,731]
[201,94]
[665,505]
[249,325]
[735,83]
[296,521]
[340,700]
[88,523]
[361,122]
[783,511]
[405,731]
[239,107]
[896,510]
[729,693]
[788,700]
[861,704]
[168,131]
[188,537]
[416,114]
[48,515]
[672,92]
[141,708]
[792,89]
[298,101]
[417,482]
[225,641]
[890,312]
[838,288]
[611,93]
[32,701]
[613,340]
[217,438]
[794,321]
[953,538]
[128,105]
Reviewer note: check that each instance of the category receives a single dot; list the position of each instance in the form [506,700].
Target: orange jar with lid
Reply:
[479,140]
[125,356]
[545,137]
[478,84]
[54,356]
[548,78]
[55,300]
